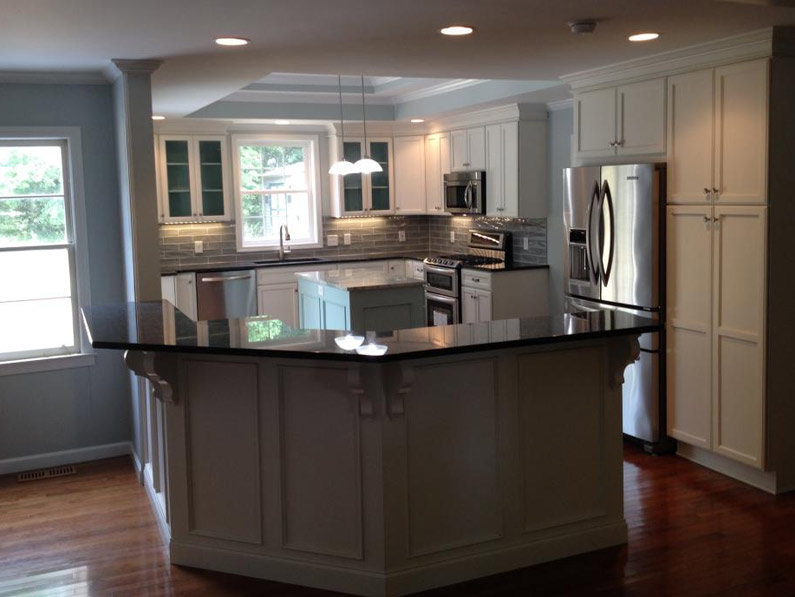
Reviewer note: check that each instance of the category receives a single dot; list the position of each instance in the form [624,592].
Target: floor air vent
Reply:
[46,473]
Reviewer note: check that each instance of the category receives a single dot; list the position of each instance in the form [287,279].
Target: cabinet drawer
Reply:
[476,279]
[415,269]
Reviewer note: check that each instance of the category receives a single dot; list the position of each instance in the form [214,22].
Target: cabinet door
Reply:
[690,137]
[279,301]
[177,178]
[353,201]
[437,164]
[469,306]
[379,184]
[495,199]
[484,306]
[459,152]
[409,175]
[641,118]
[476,146]
[738,333]
[211,179]
[689,326]
[741,92]
[186,294]
[168,289]
[509,139]
[595,123]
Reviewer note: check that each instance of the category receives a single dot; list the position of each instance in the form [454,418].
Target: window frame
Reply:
[312,151]
[81,354]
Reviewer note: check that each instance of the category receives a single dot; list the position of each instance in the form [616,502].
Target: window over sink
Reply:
[276,183]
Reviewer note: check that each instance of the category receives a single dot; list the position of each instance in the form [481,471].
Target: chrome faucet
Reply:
[283,238]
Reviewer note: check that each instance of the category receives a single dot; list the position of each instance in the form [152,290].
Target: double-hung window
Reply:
[38,282]
[277,183]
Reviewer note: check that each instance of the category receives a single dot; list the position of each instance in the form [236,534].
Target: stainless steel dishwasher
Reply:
[221,295]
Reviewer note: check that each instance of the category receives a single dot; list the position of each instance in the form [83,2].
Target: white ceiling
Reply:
[515,39]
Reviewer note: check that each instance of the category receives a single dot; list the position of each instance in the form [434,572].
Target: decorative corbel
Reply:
[622,353]
[159,368]
[357,389]
[396,403]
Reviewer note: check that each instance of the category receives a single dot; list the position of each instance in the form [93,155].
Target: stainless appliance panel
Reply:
[441,310]
[442,280]
[641,396]
[465,192]
[221,295]
[581,188]
[628,231]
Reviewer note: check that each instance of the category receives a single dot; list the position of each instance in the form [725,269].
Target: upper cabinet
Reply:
[363,194]
[193,178]
[620,121]
[468,149]
[717,123]
[437,164]
[409,175]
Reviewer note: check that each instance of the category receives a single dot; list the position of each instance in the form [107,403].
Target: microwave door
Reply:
[581,190]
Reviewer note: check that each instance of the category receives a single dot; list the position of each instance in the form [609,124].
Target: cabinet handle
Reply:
[611,144]
[715,193]
[465,164]
[476,279]
[707,194]
[716,220]
[706,218]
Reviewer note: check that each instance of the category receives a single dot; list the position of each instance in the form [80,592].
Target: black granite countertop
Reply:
[159,326]
[296,262]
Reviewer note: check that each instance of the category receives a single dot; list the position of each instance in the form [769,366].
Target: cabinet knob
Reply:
[466,163]
[706,218]
[476,279]
[715,192]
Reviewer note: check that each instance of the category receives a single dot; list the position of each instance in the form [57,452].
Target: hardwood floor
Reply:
[692,532]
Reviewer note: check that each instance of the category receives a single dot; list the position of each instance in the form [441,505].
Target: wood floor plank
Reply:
[691,532]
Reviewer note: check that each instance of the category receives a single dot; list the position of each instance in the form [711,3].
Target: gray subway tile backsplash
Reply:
[370,237]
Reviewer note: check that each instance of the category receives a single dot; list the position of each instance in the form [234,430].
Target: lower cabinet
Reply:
[716,264]
[279,302]
[475,305]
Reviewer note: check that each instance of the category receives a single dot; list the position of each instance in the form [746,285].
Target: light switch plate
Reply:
[332,240]
[347,238]
[452,236]
[401,236]
[198,247]
[525,243]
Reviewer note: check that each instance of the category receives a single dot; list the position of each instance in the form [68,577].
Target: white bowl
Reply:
[372,350]
[349,342]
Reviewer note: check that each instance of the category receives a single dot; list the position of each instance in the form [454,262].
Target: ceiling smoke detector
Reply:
[584,26]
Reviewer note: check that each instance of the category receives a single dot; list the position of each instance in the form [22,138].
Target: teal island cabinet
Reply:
[360,299]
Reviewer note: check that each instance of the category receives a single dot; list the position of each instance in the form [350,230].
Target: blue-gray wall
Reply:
[89,406]
[561,126]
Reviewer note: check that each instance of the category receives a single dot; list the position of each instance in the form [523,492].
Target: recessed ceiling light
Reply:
[232,41]
[282,122]
[417,120]
[157,117]
[456,30]
[644,36]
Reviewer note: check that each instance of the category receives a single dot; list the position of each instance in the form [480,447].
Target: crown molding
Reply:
[563,104]
[746,46]
[54,78]
[134,67]
[439,89]
[507,113]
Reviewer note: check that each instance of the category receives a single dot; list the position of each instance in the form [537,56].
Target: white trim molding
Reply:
[737,48]
[56,363]
[48,459]
[563,104]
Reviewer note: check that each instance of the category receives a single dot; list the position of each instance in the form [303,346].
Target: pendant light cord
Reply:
[364,123]
[342,120]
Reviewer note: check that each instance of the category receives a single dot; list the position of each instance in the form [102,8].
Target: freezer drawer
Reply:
[641,406]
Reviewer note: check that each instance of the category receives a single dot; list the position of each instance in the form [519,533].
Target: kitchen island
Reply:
[379,464]
[360,299]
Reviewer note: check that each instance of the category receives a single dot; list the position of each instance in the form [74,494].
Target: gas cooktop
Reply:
[462,260]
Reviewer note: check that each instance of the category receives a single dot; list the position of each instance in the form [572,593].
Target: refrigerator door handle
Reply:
[606,198]
[593,248]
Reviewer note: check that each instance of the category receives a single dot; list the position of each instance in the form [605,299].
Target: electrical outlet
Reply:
[452,236]
[401,236]
[332,240]
[525,243]
[347,238]
[198,247]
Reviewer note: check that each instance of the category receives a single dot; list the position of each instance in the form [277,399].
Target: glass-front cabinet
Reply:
[193,185]
[363,194]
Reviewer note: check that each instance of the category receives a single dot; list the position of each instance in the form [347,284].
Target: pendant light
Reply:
[366,165]
[343,166]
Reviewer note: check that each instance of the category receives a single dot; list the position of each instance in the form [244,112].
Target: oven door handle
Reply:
[449,300]
[468,195]
[447,271]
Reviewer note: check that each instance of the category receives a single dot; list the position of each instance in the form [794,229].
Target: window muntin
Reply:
[38,306]
[277,182]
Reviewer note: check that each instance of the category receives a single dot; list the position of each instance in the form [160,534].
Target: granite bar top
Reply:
[295,262]
[359,279]
[159,326]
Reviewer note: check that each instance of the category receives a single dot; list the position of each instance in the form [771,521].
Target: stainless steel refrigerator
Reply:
[614,237]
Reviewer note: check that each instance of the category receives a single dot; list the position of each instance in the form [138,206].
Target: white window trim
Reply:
[84,357]
[314,184]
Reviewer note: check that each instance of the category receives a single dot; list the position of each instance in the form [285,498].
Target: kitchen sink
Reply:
[289,260]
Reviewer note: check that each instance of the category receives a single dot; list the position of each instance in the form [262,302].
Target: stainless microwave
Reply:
[465,192]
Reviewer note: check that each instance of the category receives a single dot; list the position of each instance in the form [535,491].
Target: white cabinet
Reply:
[717,130]
[621,121]
[193,178]
[475,305]
[185,289]
[716,263]
[363,194]
[396,268]
[409,175]
[468,149]
[168,289]
[415,269]
[437,164]
[502,169]
[279,301]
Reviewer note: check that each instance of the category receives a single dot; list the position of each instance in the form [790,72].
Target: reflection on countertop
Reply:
[159,326]
[359,279]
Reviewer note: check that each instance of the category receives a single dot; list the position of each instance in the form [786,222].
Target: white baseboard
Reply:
[139,469]
[158,507]
[764,480]
[37,461]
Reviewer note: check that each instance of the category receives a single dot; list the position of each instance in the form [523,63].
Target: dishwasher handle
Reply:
[225,278]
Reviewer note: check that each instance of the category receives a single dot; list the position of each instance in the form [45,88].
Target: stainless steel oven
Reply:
[441,309]
[465,192]
[442,280]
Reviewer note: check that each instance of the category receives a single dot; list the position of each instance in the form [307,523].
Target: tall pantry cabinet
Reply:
[717,260]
